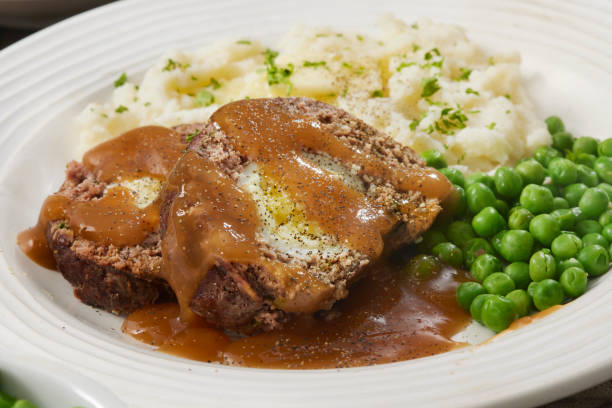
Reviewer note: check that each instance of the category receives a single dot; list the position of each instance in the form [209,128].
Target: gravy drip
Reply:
[387,318]
[113,218]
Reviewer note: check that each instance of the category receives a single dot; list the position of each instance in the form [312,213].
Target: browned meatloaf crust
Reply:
[119,280]
[221,297]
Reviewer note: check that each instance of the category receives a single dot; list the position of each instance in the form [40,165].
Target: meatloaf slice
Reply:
[119,280]
[246,297]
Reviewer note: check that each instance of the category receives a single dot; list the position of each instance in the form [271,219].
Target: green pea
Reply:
[586,227]
[545,154]
[449,254]
[516,245]
[585,144]
[531,289]
[566,246]
[574,192]
[501,207]
[434,158]
[554,124]
[519,273]
[485,265]
[422,267]
[574,281]
[519,219]
[593,202]
[479,177]
[587,175]
[606,217]
[478,197]
[547,293]
[467,292]
[607,232]
[460,232]
[568,263]
[585,158]
[476,306]
[498,313]
[488,222]
[603,168]
[531,171]
[430,239]
[560,203]
[454,206]
[498,283]
[23,404]
[565,217]
[521,301]
[542,266]
[555,189]
[595,259]
[544,228]
[508,183]
[594,238]
[537,199]
[607,188]
[496,240]
[605,148]
[6,400]
[475,248]
[562,141]
[454,175]
[562,171]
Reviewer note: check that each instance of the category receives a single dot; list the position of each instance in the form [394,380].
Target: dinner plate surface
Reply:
[47,78]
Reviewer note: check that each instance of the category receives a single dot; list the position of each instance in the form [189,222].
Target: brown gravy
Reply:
[212,219]
[114,218]
[386,318]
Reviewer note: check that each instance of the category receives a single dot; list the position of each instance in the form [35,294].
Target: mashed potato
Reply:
[424,84]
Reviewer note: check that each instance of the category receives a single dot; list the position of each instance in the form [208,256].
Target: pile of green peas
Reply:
[531,235]
[8,401]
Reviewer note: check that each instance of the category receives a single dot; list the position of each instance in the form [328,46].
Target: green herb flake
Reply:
[278,75]
[170,66]
[344,92]
[321,35]
[194,78]
[474,111]
[507,96]
[121,109]
[415,48]
[104,115]
[430,87]
[205,98]
[243,42]
[465,74]
[121,80]
[347,65]
[471,91]
[377,94]
[491,61]
[62,225]
[147,104]
[190,136]
[339,35]
[360,71]
[214,83]
[507,111]
[461,159]
[359,37]
[491,125]
[404,65]
[414,124]
[314,64]
[415,26]
[429,54]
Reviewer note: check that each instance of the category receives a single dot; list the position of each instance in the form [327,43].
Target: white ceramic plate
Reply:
[47,78]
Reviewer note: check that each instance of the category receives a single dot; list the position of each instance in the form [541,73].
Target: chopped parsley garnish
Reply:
[205,98]
[147,104]
[430,87]
[339,35]
[491,125]
[214,83]
[278,75]
[465,74]
[121,80]
[243,42]
[377,94]
[507,111]
[415,26]
[414,124]
[360,71]
[507,96]
[415,48]
[450,120]
[121,109]
[404,65]
[62,225]
[347,65]
[104,115]
[471,91]
[359,37]
[194,78]
[344,92]
[315,64]
[171,65]
[321,35]
[190,136]
[429,54]
[491,61]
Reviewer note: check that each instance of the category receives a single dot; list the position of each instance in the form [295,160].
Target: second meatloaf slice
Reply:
[280,204]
